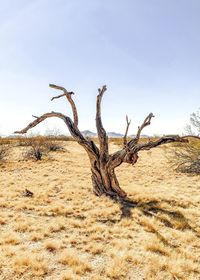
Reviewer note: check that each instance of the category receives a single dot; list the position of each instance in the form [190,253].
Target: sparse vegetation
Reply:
[59,230]
[65,232]
[53,145]
[186,158]
[36,148]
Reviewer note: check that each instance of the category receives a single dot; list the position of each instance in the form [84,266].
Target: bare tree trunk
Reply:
[104,181]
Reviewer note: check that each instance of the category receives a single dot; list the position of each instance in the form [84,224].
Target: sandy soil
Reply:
[65,232]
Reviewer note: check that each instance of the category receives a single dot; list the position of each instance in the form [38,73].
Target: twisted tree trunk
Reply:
[105,181]
[103,164]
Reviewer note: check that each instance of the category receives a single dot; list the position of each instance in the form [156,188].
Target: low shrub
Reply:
[36,148]
[187,157]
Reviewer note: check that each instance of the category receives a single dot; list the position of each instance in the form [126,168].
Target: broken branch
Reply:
[103,139]
[69,98]
[128,122]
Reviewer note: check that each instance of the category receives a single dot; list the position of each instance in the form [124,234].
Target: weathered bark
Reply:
[103,165]
[105,181]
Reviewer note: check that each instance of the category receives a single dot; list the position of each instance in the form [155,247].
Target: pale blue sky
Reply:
[147,52]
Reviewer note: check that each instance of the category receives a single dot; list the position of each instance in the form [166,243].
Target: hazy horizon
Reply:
[146,52]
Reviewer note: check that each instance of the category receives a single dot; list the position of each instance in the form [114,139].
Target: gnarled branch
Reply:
[128,122]
[161,141]
[145,123]
[69,98]
[41,119]
[89,146]
[103,139]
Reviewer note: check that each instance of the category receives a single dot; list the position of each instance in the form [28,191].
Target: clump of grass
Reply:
[53,145]
[56,226]
[35,263]
[181,267]
[23,141]
[117,268]
[157,268]
[23,226]
[157,247]
[68,275]
[95,248]
[36,236]
[37,149]
[10,238]
[5,141]
[2,220]
[52,245]
[70,257]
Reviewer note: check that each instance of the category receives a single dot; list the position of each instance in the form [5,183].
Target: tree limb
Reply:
[163,140]
[41,119]
[145,123]
[116,158]
[89,146]
[103,139]
[130,155]
[191,136]
[69,98]
[128,122]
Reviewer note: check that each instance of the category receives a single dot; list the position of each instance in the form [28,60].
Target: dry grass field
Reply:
[65,232]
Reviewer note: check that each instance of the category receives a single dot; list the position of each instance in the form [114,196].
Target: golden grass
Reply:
[30,264]
[65,232]
[71,258]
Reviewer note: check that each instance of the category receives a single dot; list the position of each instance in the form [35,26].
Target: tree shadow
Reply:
[170,218]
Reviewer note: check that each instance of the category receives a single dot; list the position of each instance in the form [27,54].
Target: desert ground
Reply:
[66,232]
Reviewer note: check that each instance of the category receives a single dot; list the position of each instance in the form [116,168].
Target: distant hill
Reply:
[114,135]
[142,136]
[88,133]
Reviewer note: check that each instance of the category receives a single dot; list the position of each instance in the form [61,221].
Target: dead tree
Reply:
[103,164]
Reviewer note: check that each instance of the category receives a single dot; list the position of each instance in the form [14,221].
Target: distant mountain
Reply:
[141,136]
[88,133]
[114,135]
